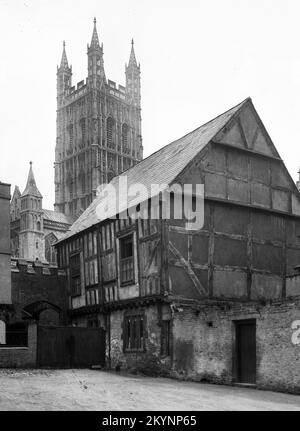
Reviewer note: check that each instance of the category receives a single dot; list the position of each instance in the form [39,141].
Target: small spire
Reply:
[132,59]
[95,39]
[31,188]
[64,61]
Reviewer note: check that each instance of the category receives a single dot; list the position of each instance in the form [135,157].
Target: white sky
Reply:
[198,58]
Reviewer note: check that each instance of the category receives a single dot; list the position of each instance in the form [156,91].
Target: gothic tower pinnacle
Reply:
[133,81]
[64,77]
[96,71]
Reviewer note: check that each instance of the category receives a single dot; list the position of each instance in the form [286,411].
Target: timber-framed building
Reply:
[201,304]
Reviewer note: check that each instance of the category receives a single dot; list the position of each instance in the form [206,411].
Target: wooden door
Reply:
[246,351]
[70,347]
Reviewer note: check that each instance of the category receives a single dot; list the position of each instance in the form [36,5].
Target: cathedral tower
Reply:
[98,129]
[31,236]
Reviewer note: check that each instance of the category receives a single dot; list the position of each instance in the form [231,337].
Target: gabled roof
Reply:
[161,167]
[31,188]
[57,217]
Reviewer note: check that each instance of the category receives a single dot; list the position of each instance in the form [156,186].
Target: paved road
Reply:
[100,390]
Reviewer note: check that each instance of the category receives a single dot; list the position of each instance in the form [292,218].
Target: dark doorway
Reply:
[70,347]
[246,351]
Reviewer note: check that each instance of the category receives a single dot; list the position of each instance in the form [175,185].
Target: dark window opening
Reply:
[126,260]
[75,274]
[134,333]
[165,337]
[16,335]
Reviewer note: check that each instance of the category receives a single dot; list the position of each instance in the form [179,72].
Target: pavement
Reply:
[105,391]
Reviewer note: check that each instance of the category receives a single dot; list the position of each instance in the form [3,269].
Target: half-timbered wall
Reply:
[250,238]
[99,250]
[241,253]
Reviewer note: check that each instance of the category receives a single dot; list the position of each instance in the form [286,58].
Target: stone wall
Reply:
[149,361]
[21,357]
[204,343]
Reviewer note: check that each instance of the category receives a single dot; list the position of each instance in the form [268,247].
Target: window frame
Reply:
[139,342]
[121,260]
[75,289]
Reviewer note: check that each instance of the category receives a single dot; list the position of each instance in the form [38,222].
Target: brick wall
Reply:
[204,343]
[5,282]
[21,357]
[33,282]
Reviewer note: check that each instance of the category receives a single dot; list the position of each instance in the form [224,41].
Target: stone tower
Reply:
[98,129]
[31,236]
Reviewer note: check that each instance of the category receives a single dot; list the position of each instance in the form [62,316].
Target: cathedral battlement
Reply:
[75,92]
[82,88]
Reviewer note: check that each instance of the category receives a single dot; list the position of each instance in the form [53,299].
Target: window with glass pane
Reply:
[126,259]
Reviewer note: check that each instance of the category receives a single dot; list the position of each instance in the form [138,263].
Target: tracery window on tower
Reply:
[98,157]
[110,124]
[125,140]
[71,190]
[83,130]
[71,134]
[82,182]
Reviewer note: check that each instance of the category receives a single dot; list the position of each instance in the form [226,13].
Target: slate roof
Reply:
[161,167]
[57,217]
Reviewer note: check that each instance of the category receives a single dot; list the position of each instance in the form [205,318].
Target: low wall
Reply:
[21,357]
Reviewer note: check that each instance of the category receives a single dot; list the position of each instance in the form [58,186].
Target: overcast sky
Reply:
[198,58]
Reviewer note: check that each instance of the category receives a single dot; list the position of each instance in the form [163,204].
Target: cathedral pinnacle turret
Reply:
[64,61]
[95,40]
[132,59]
[96,71]
[31,188]
[133,84]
